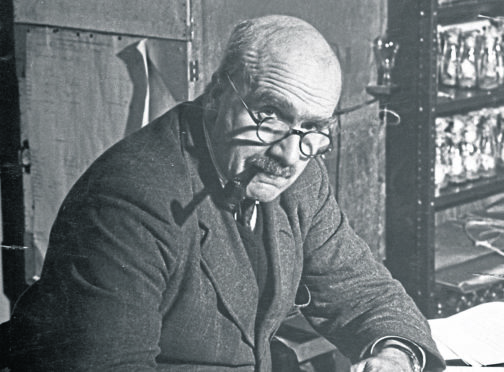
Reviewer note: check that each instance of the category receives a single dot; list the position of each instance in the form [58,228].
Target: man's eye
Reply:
[266,113]
[315,127]
[310,127]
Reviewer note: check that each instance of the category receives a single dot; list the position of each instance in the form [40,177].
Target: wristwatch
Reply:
[414,362]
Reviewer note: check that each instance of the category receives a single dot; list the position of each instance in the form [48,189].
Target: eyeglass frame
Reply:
[291,131]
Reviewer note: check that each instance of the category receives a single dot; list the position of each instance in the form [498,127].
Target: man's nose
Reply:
[287,150]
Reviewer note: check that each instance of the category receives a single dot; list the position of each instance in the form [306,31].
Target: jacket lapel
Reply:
[286,261]
[227,264]
[223,255]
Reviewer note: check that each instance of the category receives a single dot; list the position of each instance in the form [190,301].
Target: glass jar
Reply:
[486,144]
[470,150]
[470,44]
[499,47]
[450,58]
[489,62]
[499,136]
[442,166]
[455,150]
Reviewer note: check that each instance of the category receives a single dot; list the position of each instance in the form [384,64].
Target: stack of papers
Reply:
[475,336]
[473,369]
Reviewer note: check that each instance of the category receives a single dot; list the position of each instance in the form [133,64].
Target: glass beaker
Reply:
[385,51]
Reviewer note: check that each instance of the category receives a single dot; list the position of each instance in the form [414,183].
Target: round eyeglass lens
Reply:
[314,143]
[271,130]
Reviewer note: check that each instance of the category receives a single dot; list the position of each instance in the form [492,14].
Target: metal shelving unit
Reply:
[462,10]
[454,195]
[411,198]
[467,100]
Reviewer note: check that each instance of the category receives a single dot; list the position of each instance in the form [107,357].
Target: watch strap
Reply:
[413,358]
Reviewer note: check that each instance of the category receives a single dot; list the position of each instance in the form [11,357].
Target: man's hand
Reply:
[387,360]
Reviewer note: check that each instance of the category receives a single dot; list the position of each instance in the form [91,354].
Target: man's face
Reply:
[301,95]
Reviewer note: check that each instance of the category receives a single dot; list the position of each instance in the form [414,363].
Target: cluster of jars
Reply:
[450,302]
[471,58]
[469,146]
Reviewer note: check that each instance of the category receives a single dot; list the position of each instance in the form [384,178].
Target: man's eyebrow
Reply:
[267,97]
[322,123]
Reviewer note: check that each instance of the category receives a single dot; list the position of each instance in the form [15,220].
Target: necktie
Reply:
[245,212]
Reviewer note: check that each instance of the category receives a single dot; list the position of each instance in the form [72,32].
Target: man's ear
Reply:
[219,95]
[216,89]
[211,108]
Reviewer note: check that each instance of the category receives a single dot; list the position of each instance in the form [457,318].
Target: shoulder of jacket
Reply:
[313,181]
[148,160]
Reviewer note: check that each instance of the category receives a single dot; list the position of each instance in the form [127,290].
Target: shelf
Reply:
[466,10]
[465,100]
[410,151]
[454,195]
[461,278]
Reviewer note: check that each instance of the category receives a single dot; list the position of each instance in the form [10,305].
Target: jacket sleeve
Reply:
[111,266]
[355,301]
[97,306]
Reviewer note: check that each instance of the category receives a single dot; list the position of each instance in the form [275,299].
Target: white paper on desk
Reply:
[473,369]
[475,335]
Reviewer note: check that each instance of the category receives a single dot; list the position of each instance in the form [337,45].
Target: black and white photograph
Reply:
[252,185]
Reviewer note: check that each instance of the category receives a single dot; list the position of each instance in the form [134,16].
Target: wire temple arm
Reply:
[346,110]
[383,113]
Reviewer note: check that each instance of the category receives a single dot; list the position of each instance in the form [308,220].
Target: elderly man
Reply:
[151,266]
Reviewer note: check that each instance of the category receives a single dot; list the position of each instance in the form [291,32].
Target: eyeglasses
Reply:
[271,130]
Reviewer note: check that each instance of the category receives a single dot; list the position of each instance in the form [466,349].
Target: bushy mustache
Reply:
[268,165]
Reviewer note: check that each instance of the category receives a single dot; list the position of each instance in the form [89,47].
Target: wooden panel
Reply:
[362,176]
[155,18]
[80,93]
[350,27]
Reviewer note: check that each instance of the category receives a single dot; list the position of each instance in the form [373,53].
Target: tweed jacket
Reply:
[145,271]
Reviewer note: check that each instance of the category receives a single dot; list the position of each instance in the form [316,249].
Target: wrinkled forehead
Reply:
[299,66]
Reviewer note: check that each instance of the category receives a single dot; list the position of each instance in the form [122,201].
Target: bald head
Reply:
[298,45]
